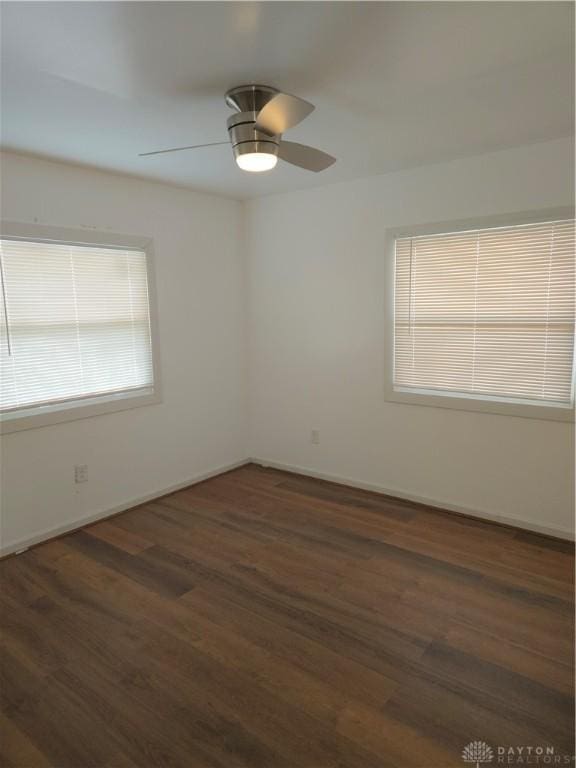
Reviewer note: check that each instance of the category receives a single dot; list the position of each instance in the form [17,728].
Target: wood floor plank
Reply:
[348,679]
[141,568]
[17,749]
[147,726]
[132,543]
[382,734]
[66,736]
[285,733]
[38,646]
[343,496]
[480,644]
[265,620]
[281,671]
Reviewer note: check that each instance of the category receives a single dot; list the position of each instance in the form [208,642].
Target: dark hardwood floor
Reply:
[265,620]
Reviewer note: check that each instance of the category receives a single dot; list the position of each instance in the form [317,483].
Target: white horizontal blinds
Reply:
[487,312]
[7,384]
[78,322]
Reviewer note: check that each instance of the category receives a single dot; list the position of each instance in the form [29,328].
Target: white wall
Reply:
[316,270]
[200,425]
[315,292]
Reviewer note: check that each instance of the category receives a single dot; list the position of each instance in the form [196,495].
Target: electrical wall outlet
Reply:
[81,473]
[315,437]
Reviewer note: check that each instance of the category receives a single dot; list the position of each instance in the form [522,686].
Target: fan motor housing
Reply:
[248,100]
[245,138]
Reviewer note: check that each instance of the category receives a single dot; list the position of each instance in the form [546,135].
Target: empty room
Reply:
[287,321]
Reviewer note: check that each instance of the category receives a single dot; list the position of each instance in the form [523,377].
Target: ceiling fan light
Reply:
[256,162]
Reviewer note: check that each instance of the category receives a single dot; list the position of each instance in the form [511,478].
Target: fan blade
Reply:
[179,149]
[282,112]
[305,157]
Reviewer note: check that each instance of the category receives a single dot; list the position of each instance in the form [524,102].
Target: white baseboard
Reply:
[30,541]
[25,543]
[515,522]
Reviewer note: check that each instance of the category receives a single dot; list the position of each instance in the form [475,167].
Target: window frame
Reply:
[39,416]
[462,402]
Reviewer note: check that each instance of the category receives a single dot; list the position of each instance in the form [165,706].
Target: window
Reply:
[74,327]
[487,314]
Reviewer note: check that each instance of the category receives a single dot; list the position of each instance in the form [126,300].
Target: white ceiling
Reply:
[395,84]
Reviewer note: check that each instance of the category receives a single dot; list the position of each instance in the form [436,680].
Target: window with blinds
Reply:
[74,324]
[487,313]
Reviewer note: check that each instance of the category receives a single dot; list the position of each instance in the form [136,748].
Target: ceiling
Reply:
[395,84]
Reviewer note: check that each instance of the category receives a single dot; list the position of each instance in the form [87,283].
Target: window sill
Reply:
[478,405]
[47,415]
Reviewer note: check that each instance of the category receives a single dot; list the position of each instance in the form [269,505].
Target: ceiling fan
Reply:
[262,114]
